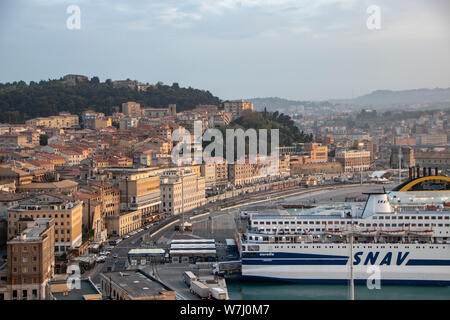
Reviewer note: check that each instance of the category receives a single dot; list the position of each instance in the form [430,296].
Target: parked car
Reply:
[115,256]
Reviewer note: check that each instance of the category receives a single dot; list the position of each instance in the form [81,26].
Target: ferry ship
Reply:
[405,246]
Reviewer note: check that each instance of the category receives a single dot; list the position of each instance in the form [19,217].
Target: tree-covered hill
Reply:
[20,101]
[289,133]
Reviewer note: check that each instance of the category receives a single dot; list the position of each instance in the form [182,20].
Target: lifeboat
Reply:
[336,232]
[432,207]
[421,233]
[393,233]
[447,204]
[367,232]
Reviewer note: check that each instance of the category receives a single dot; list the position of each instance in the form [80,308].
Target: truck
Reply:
[188,277]
[218,294]
[200,289]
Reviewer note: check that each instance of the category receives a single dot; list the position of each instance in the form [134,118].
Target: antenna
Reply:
[399,164]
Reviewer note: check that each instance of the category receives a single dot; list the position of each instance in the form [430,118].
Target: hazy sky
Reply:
[312,49]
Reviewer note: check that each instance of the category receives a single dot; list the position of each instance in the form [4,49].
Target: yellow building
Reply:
[237,107]
[123,223]
[141,194]
[63,120]
[67,215]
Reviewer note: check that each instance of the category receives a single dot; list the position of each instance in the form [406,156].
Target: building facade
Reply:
[67,215]
[237,107]
[353,160]
[31,260]
[181,189]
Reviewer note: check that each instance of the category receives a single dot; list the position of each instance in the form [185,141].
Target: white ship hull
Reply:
[427,264]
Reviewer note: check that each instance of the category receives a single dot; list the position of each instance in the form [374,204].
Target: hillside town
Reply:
[69,184]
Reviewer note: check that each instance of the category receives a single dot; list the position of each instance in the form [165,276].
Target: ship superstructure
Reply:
[405,246]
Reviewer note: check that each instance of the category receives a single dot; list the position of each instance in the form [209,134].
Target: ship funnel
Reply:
[376,203]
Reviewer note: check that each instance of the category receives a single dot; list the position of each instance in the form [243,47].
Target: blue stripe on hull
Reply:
[346,281]
[309,262]
[269,255]
[428,262]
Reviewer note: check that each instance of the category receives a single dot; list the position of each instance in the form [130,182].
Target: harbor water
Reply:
[253,290]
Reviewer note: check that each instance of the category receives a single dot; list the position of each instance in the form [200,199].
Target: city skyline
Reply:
[295,50]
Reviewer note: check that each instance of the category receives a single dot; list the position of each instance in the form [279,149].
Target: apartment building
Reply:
[208,171]
[123,223]
[131,109]
[73,157]
[181,189]
[140,194]
[353,160]
[432,139]
[316,152]
[243,173]
[237,107]
[67,215]
[12,141]
[31,260]
[63,120]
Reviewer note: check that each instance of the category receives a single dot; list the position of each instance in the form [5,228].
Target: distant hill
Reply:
[389,97]
[20,101]
[283,105]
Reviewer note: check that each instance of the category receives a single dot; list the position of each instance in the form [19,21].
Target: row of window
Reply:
[412,217]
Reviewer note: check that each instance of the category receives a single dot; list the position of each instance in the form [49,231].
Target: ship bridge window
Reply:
[253,248]
[267,222]
[420,218]
[286,222]
[394,224]
[280,222]
[381,218]
[400,218]
[255,222]
[433,218]
[406,217]
[439,218]
[292,222]
[420,224]
[427,218]
[446,218]
[447,225]
[387,218]
[394,217]
[388,224]
[274,222]
[440,225]
[413,218]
